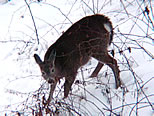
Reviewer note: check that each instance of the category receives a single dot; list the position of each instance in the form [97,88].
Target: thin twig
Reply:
[33,21]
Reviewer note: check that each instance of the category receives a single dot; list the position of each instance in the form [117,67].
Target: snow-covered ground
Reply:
[21,84]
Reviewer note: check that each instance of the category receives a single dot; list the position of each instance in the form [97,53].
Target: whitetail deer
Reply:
[89,37]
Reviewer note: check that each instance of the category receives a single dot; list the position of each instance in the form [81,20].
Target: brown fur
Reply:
[85,39]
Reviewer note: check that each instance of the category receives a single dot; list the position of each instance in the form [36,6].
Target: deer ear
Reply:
[52,56]
[37,59]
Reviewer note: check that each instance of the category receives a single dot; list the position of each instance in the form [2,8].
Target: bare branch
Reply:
[33,21]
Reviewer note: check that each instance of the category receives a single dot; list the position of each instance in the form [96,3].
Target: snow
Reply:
[20,77]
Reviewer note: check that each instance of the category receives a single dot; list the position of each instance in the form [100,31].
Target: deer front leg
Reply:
[52,88]
[97,69]
[67,85]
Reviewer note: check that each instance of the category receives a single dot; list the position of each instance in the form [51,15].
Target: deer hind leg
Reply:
[112,63]
[97,69]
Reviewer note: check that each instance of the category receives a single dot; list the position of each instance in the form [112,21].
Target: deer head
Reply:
[47,67]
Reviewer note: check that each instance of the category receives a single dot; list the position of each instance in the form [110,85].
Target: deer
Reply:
[88,38]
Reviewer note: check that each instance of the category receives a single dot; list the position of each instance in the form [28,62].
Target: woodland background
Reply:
[31,26]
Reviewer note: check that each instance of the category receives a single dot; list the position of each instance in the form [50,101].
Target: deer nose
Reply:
[51,81]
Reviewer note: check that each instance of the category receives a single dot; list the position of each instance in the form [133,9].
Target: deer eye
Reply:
[52,70]
[43,73]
